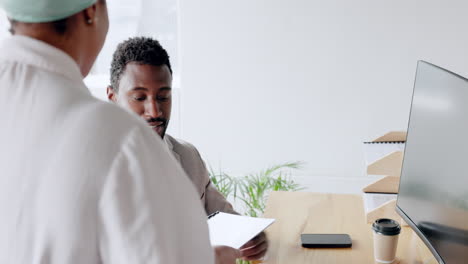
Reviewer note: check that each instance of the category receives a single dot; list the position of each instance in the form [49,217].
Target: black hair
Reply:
[141,50]
[60,26]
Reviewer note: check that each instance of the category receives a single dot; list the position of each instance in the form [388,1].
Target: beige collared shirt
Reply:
[81,180]
[192,163]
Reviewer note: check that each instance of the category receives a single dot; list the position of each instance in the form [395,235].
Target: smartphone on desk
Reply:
[326,240]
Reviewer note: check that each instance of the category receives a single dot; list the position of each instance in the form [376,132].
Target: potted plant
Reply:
[252,189]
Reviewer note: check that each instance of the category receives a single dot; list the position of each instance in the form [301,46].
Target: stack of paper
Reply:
[373,201]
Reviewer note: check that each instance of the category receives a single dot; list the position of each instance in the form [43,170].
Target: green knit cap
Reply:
[37,11]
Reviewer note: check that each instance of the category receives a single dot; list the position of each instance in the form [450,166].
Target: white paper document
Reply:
[235,230]
[374,200]
[374,151]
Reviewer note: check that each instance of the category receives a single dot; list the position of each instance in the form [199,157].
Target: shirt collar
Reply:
[168,140]
[40,54]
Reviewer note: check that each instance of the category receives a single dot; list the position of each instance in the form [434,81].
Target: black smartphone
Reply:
[326,240]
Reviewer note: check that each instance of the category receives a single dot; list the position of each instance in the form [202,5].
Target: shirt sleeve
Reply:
[149,211]
[214,200]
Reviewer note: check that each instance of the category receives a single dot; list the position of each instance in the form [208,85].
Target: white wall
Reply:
[268,81]
[4,25]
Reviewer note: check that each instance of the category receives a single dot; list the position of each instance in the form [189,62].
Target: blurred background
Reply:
[263,82]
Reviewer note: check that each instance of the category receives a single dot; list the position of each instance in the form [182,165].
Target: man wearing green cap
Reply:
[82,181]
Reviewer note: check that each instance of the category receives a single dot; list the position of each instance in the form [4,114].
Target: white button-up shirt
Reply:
[82,181]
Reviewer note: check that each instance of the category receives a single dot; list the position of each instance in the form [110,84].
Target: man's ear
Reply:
[111,94]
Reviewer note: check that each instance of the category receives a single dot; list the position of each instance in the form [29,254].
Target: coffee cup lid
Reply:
[386,227]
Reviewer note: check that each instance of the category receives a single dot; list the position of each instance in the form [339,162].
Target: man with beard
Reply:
[141,81]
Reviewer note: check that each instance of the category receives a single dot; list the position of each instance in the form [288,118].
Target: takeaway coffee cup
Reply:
[386,232]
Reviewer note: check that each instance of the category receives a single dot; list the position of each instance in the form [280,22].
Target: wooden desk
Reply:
[300,212]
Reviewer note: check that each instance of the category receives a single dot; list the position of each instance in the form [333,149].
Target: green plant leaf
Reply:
[253,189]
